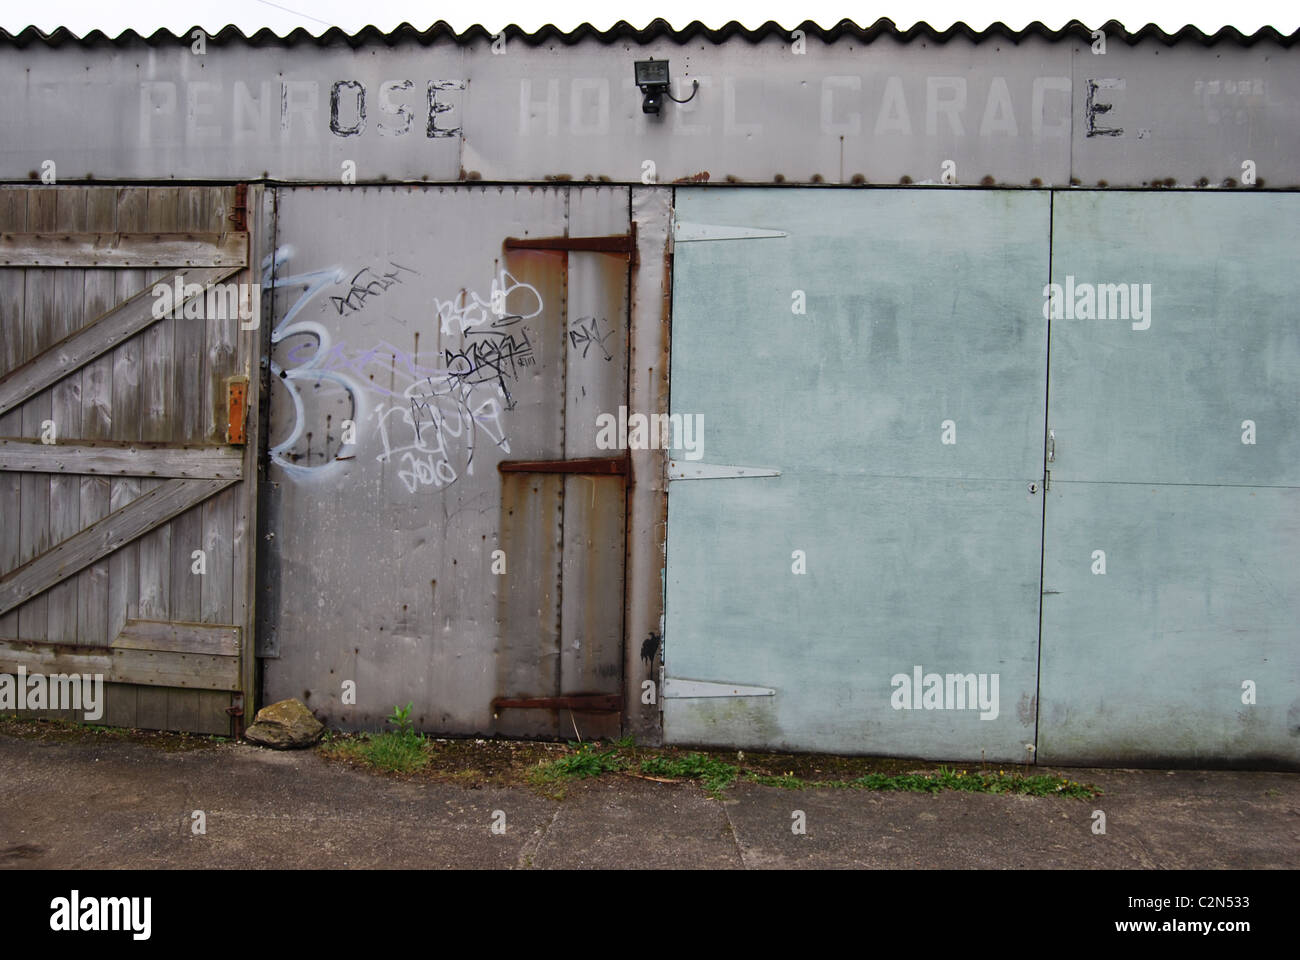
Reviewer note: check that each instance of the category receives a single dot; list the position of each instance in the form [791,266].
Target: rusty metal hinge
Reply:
[677,689]
[604,466]
[684,232]
[236,713]
[688,470]
[239,209]
[236,409]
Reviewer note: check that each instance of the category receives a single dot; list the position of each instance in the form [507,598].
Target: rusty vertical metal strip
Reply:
[531,531]
[594,505]
[647,502]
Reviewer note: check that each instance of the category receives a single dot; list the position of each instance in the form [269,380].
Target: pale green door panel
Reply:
[1166,404]
[1146,662]
[921,309]
[1201,590]
[922,306]
[901,572]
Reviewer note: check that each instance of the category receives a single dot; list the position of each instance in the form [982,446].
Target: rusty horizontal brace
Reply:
[625,243]
[611,466]
[579,703]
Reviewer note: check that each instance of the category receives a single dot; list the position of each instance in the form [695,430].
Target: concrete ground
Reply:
[125,804]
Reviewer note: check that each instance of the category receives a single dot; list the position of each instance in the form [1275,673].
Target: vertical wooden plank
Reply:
[220,362]
[38,333]
[13,217]
[96,424]
[121,707]
[261,232]
[65,491]
[186,423]
[156,418]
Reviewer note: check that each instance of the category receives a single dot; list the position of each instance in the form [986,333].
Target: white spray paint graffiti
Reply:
[312,369]
[432,428]
[438,426]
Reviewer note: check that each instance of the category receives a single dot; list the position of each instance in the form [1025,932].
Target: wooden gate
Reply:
[127,456]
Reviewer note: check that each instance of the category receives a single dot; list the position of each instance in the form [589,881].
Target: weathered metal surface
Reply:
[916,552]
[647,497]
[595,508]
[846,107]
[579,703]
[435,572]
[1172,528]
[529,622]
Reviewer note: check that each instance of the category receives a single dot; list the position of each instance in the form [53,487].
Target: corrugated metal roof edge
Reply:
[655,30]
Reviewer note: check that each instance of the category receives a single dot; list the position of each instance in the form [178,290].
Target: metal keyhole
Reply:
[1033,488]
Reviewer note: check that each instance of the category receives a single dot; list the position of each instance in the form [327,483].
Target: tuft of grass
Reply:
[785,780]
[1039,785]
[714,775]
[396,751]
[584,762]
[391,752]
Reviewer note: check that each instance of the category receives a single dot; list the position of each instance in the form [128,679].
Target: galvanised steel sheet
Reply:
[904,410]
[412,352]
[1171,588]
[792,107]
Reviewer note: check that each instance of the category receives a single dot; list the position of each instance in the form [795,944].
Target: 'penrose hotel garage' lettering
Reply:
[845,105]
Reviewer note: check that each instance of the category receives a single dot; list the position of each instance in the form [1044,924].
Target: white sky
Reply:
[145,16]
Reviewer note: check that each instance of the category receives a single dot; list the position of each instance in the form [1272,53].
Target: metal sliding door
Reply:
[864,513]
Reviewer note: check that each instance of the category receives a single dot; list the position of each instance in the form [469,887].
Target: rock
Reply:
[286,725]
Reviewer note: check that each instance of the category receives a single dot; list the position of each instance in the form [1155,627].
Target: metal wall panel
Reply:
[1032,112]
[383,546]
[918,552]
[1200,530]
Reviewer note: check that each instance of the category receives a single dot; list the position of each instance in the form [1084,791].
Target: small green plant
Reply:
[401,718]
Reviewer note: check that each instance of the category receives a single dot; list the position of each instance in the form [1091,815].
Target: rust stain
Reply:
[587,465]
[625,243]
